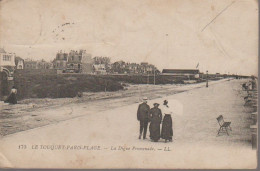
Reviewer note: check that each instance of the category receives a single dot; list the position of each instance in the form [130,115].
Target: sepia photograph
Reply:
[129,84]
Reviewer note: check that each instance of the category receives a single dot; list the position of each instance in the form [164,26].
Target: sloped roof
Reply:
[19,58]
[2,50]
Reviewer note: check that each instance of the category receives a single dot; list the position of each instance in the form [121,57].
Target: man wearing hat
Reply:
[142,117]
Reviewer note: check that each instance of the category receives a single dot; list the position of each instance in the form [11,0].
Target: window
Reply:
[6,58]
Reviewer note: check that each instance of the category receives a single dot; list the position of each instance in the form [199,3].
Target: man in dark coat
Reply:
[142,117]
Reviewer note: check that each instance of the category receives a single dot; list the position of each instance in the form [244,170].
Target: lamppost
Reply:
[166,36]
[147,78]
[207,82]
[154,76]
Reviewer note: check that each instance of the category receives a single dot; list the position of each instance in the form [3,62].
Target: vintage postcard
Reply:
[132,84]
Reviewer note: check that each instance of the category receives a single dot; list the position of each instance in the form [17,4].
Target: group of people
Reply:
[155,116]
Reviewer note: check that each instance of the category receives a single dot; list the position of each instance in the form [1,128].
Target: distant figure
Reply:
[12,97]
[80,94]
[167,131]
[244,86]
[142,116]
[155,118]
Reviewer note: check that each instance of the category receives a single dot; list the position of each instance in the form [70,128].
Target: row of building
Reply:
[77,62]
[82,62]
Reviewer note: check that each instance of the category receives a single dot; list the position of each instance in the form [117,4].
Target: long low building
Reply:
[180,71]
[184,73]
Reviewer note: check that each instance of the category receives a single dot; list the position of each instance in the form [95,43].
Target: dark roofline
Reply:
[182,69]
[18,58]
[193,71]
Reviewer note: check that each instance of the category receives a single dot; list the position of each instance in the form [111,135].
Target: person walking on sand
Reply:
[155,117]
[167,131]
[12,97]
[142,117]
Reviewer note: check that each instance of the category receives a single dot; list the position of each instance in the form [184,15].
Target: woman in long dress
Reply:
[155,117]
[167,131]
[12,97]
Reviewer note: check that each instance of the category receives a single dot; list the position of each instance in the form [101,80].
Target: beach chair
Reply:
[223,126]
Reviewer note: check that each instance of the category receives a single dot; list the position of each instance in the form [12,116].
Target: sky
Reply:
[220,35]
